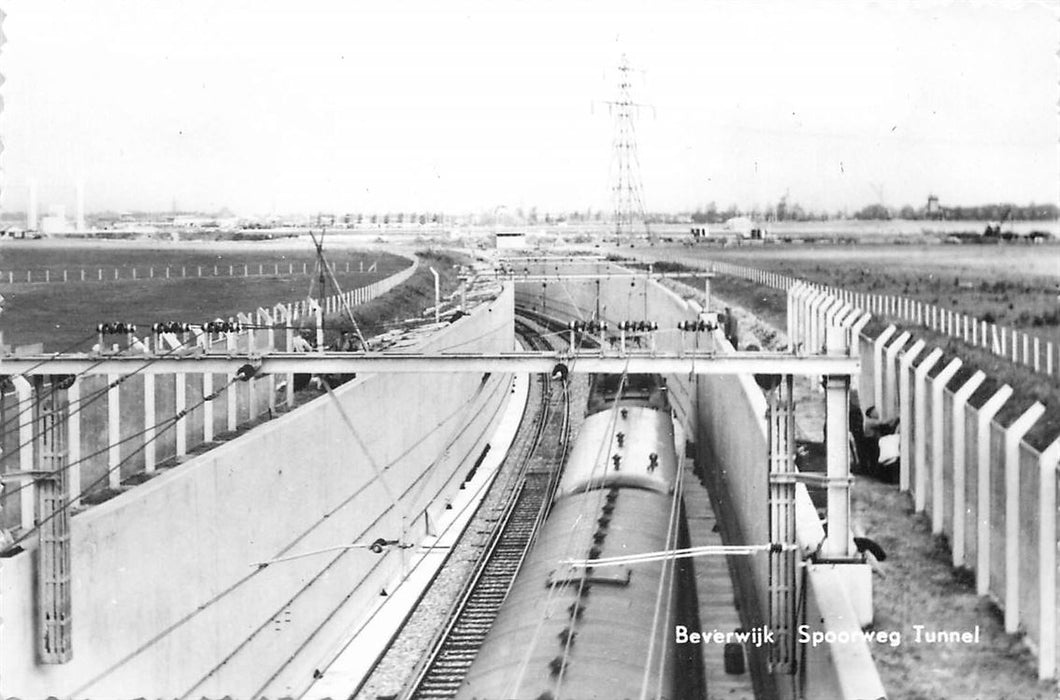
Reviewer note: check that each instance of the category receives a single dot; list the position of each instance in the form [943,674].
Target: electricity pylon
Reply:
[626,189]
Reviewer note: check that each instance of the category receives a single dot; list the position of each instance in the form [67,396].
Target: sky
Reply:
[281,107]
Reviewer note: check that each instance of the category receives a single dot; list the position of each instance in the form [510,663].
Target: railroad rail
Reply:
[446,664]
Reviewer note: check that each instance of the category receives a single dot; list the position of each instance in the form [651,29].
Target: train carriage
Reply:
[572,631]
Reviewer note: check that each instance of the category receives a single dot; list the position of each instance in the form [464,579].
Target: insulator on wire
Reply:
[115,328]
[220,326]
[696,326]
[170,327]
[246,372]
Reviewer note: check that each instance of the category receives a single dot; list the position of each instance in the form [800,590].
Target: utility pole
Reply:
[322,265]
[626,190]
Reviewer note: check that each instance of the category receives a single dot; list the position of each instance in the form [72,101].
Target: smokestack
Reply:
[31,212]
[80,205]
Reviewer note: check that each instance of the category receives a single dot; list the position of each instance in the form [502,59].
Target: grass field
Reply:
[1012,285]
[63,316]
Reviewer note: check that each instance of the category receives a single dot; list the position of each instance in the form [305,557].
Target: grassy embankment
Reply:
[407,301]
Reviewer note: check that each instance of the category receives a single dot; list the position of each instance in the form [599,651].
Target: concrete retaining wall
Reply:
[165,572]
[115,436]
[614,300]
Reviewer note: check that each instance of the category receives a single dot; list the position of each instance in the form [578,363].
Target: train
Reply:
[574,630]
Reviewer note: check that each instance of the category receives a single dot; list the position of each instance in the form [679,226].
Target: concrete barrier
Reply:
[166,571]
[120,426]
[990,492]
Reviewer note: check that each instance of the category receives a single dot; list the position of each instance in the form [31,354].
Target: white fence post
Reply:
[889,406]
[28,493]
[920,417]
[905,412]
[790,318]
[877,364]
[180,380]
[986,415]
[960,402]
[113,432]
[1047,466]
[264,318]
[938,443]
[149,423]
[860,323]
[73,441]
[207,407]
[810,340]
[231,396]
[1013,435]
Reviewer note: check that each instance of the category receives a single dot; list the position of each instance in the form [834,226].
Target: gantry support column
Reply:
[54,592]
[837,398]
[782,559]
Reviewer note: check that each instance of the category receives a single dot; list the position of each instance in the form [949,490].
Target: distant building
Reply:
[511,240]
[744,227]
[933,210]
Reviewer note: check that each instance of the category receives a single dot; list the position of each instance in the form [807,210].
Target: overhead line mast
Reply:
[626,191]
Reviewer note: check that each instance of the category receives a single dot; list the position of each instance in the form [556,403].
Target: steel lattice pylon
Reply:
[626,190]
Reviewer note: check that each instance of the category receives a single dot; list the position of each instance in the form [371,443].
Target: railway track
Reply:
[450,657]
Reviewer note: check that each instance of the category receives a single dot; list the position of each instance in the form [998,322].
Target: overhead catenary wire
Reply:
[553,587]
[672,554]
[512,476]
[242,645]
[546,607]
[668,566]
[602,465]
[472,500]
[201,607]
[290,546]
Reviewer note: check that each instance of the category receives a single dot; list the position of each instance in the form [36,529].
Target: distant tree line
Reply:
[785,211]
[982,212]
